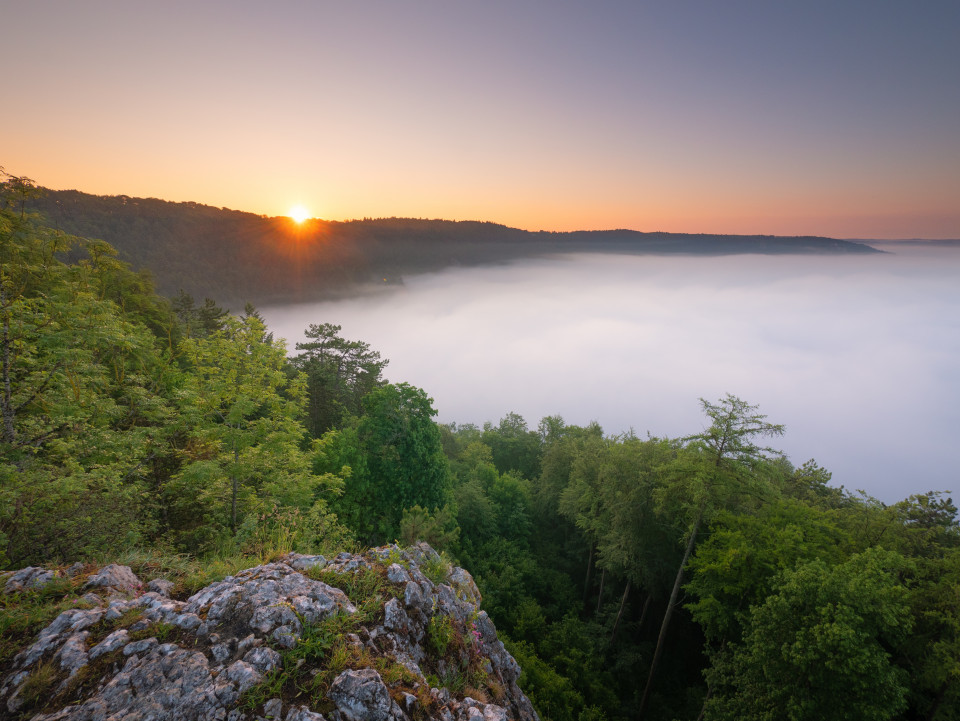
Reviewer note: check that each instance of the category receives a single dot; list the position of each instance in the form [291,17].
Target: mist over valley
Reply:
[854,354]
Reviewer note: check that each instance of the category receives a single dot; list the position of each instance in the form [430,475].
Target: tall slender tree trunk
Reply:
[668,614]
[623,602]
[603,576]
[703,709]
[586,583]
[935,706]
[643,612]
[9,429]
[234,483]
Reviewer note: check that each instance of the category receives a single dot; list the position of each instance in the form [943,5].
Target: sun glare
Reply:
[298,213]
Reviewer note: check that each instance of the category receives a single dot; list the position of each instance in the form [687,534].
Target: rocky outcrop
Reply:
[354,638]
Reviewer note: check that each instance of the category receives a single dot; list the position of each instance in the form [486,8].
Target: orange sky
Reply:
[687,118]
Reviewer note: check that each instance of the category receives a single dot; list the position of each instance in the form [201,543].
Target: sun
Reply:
[298,214]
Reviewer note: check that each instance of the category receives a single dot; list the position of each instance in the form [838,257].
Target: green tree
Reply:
[396,459]
[246,452]
[510,495]
[82,395]
[633,542]
[194,321]
[580,458]
[931,652]
[339,374]
[809,484]
[553,519]
[718,466]
[514,446]
[476,513]
[818,647]
[439,528]
[736,567]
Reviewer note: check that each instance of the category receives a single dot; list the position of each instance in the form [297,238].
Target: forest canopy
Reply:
[704,576]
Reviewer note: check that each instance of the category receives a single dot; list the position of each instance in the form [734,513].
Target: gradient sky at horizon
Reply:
[822,118]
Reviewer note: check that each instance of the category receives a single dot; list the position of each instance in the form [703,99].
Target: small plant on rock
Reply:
[436,569]
[440,633]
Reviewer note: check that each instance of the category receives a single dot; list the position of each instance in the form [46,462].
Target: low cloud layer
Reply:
[855,355]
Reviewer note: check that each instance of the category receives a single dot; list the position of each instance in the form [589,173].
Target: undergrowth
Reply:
[436,569]
[367,588]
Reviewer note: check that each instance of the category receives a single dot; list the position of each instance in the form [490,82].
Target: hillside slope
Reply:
[235,257]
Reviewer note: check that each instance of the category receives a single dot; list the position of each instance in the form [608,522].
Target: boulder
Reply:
[28,579]
[362,696]
[115,578]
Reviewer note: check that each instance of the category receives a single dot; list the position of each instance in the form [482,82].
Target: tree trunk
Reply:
[9,429]
[603,577]
[643,612]
[669,612]
[623,602]
[703,709]
[234,482]
[935,706]
[586,583]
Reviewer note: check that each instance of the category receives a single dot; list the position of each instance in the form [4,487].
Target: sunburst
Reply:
[298,214]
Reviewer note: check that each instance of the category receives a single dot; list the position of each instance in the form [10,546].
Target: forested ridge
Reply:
[239,257]
[632,577]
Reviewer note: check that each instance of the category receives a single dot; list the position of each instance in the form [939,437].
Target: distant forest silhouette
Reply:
[236,257]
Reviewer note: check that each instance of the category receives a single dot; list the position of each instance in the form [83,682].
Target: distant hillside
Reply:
[234,257]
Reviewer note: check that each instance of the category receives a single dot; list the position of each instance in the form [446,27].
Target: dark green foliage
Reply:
[247,454]
[736,567]
[514,447]
[85,393]
[198,322]
[818,646]
[439,529]
[125,422]
[554,695]
[339,373]
[931,653]
[396,462]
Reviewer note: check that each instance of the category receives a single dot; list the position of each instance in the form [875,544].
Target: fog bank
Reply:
[855,355]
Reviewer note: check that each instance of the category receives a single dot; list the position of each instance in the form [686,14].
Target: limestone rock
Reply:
[305,563]
[161,586]
[273,709]
[134,653]
[362,696]
[115,578]
[28,579]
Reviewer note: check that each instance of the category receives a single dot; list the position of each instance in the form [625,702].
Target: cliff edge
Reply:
[392,634]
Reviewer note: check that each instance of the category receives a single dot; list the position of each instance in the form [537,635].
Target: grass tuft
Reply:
[436,569]
[39,684]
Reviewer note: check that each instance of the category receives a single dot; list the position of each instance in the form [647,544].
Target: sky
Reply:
[788,118]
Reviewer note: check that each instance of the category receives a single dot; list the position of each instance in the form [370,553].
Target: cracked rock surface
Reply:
[239,649]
